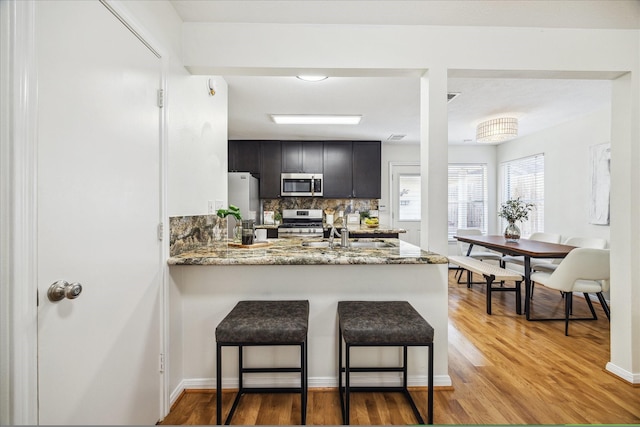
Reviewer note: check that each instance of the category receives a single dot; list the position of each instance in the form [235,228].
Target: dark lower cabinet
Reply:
[338,169]
[270,170]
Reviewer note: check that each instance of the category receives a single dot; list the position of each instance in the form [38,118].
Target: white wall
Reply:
[197,143]
[196,147]
[566,164]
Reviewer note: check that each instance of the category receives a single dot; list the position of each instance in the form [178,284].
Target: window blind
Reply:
[467,197]
[524,178]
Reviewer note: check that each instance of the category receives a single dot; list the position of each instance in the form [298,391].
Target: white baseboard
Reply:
[314,382]
[624,374]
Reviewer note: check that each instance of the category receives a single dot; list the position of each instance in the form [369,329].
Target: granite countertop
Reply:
[380,229]
[360,229]
[290,251]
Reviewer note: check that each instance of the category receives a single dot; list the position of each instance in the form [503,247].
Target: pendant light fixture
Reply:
[497,130]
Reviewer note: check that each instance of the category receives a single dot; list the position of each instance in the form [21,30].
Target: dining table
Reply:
[526,248]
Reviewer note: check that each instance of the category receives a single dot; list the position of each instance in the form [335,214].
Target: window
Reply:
[409,209]
[524,178]
[467,197]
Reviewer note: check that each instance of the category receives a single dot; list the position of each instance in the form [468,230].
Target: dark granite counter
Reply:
[292,252]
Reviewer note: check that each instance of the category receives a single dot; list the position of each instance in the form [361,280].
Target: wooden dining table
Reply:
[526,248]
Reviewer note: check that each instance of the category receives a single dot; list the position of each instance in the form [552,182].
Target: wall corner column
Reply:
[434,159]
[625,228]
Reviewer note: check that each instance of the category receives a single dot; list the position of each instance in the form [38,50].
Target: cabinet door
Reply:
[366,169]
[302,156]
[244,156]
[312,153]
[291,156]
[338,178]
[271,154]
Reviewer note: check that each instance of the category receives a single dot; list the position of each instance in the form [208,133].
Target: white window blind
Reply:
[467,197]
[524,178]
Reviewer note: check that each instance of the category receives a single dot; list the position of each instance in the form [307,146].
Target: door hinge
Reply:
[160,98]
[161,362]
[160,231]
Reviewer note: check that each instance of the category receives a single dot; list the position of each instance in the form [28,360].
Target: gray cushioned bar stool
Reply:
[263,323]
[382,323]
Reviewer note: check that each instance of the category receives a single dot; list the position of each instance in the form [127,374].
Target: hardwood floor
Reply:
[504,369]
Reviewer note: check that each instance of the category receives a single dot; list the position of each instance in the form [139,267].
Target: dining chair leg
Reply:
[603,303]
[590,304]
[567,310]
[533,285]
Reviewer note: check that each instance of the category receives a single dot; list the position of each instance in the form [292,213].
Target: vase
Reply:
[237,232]
[512,232]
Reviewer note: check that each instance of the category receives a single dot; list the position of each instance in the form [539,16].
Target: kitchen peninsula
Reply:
[210,278]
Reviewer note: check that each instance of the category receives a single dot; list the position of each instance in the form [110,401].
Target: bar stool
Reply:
[263,323]
[379,324]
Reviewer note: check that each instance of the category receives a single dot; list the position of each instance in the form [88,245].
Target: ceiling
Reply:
[390,105]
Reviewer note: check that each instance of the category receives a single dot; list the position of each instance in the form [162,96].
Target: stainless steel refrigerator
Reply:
[243,193]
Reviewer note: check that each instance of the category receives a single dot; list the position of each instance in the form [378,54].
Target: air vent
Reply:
[452,95]
[395,137]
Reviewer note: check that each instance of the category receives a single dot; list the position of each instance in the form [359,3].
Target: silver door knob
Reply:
[62,289]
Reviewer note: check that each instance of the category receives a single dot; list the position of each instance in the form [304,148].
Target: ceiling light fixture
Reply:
[315,119]
[310,78]
[497,130]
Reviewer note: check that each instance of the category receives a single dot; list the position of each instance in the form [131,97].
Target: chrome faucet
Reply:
[333,233]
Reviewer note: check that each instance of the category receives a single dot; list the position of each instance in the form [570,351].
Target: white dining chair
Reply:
[584,270]
[580,242]
[477,253]
[518,261]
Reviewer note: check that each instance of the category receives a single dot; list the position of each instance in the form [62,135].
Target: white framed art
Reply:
[600,176]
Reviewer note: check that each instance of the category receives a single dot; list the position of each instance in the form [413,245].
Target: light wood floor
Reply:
[504,369]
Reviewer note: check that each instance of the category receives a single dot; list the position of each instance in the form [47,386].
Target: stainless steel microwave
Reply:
[301,184]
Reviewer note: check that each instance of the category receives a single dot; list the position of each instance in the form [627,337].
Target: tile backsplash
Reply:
[346,205]
[191,232]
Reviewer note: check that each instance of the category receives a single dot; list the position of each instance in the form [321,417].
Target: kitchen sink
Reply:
[321,244]
[357,244]
[371,245]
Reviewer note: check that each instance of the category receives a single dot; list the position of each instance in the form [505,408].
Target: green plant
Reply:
[515,210]
[277,216]
[232,210]
[364,214]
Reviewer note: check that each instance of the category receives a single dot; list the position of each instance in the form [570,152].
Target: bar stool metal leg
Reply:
[218,384]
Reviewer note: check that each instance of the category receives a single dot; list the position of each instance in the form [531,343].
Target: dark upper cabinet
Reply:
[338,167]
[302,156]
[366,169]
[271,166]
[244,156]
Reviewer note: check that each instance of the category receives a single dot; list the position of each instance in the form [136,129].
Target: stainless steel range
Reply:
[301,223]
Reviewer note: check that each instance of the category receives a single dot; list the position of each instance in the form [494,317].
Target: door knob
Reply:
[62,289]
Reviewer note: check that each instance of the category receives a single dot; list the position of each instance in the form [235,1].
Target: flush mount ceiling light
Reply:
[497,130]
[310,78]
[315,119]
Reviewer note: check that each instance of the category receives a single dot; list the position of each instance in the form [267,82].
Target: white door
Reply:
[98,212]
[405,201]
